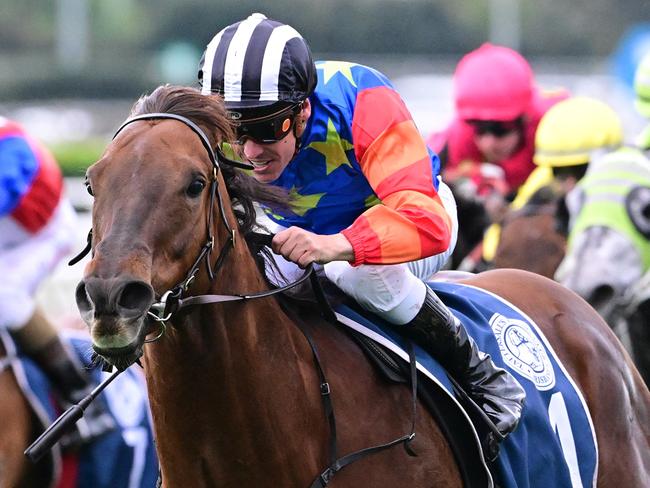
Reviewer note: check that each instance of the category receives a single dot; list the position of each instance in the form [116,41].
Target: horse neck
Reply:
[225,376]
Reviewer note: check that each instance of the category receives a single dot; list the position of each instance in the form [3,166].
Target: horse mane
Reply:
[209,113]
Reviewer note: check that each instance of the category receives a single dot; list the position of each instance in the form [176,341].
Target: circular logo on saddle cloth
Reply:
[523,351]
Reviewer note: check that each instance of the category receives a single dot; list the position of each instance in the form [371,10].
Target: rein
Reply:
[173,300]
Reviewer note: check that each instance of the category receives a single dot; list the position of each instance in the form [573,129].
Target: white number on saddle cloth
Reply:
[127,401]
[559,418]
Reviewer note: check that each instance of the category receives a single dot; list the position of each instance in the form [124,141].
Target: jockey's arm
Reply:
[411,222]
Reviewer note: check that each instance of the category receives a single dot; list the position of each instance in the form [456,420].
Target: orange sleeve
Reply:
[410,223]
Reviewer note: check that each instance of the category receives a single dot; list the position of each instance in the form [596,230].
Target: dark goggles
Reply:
[495,127]
[267,129]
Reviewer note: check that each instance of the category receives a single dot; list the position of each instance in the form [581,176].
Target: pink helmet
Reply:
[493,83]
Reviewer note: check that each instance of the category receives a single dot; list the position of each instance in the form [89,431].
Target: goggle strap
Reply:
[274,115]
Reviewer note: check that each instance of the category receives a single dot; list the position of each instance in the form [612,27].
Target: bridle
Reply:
[173,300]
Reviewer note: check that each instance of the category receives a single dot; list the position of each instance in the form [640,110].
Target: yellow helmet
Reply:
[642,86]
[573,129]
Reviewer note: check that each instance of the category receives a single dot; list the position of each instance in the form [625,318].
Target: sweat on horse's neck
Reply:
[228,384]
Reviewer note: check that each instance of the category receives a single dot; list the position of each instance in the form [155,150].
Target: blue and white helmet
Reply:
[258,62]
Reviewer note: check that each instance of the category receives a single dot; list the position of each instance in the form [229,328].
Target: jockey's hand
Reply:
[303,247]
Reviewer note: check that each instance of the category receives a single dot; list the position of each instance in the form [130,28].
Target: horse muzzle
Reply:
[115,310]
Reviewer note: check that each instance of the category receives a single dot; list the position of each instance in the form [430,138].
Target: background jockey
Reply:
[36,232]
[642,100]
[498,108]
[367,195]
[570,135]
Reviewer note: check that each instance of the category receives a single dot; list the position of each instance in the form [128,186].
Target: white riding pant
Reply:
[395,292]
[27,259]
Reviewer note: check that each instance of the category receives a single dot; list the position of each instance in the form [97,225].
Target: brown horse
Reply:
[234,392]
[14,435]
[604,261]
[18,428]
[532,238]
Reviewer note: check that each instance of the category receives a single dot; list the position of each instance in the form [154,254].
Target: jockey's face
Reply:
[270,160]
[495,149]
[497,140]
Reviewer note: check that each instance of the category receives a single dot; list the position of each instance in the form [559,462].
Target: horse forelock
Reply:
[207,111]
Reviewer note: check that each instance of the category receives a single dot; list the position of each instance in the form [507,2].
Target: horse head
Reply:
[157,189]
[609,242]
[533,237]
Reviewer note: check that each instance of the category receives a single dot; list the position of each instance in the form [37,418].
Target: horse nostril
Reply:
[83,302]
[135,298]
[601,296]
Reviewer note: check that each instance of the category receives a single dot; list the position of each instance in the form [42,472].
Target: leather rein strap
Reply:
[172,301]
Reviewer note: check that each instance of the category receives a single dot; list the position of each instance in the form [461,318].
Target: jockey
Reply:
[368,203]
[36,232]
[642,101]
[569,136]
[498,108]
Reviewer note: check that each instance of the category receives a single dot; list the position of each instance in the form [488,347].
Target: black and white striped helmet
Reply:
[258,62]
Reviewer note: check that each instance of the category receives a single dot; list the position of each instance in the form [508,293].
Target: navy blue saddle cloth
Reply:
[555,442]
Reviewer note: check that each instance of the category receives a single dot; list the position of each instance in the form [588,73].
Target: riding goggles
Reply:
[267,129]
[496,128]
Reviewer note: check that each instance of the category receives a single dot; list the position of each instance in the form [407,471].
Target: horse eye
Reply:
[637,204]
[89,188]
[195,188]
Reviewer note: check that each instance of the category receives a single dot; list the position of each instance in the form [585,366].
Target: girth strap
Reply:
[338,464]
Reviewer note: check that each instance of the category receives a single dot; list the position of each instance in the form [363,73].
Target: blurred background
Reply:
[70,69]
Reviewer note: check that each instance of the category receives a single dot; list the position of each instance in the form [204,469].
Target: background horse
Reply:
[234,393]
[123,457]
[18,428]
[533,238]
[609,245]
[608,256]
